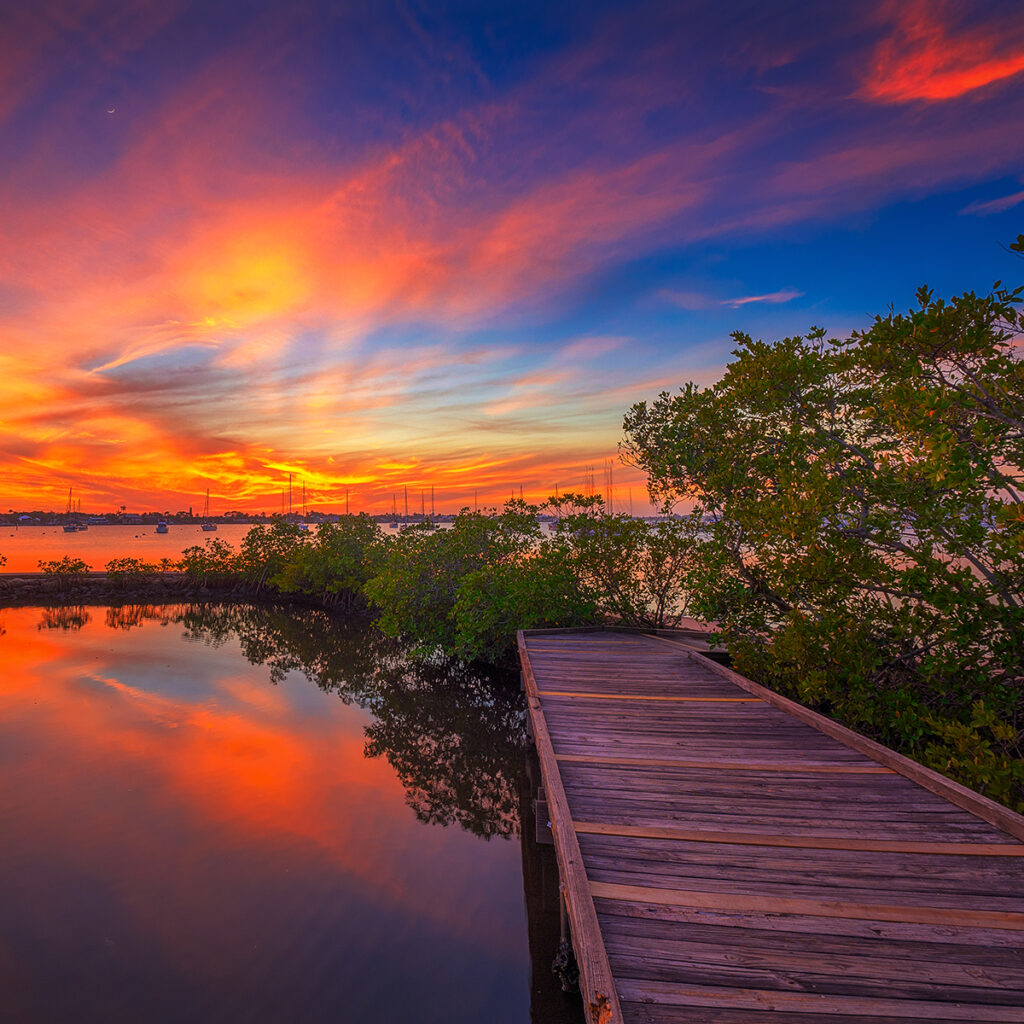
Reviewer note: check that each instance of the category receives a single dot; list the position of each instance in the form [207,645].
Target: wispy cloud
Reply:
[983,209]
[773,298]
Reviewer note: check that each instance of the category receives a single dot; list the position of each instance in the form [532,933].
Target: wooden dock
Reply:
[730,857]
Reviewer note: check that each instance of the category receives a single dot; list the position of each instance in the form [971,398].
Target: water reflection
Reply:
[210,809]
[132,616]
[70,617]
[455,736]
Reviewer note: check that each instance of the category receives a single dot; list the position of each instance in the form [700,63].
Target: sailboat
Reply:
[70,526]
[82,524]
[209,526]
[299,521]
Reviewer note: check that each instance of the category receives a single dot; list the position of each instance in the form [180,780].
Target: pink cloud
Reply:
[773,298]
[995,205]
[927,58]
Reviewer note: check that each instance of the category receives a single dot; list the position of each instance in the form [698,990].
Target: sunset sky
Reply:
[380,244]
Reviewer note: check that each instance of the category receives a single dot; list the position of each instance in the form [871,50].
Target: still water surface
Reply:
[240,814]
[25,546]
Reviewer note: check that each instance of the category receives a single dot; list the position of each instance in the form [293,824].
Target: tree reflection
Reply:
[453,734]
[455,737]
[131,616]
[68,617]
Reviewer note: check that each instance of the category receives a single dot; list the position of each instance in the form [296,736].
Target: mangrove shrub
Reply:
[857,514]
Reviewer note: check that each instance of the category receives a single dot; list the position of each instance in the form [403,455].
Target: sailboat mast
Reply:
[406,501]
[431,501]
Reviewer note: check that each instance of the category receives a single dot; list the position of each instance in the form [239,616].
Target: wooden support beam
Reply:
[597,984]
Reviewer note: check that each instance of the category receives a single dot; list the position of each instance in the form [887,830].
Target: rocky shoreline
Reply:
[96,588]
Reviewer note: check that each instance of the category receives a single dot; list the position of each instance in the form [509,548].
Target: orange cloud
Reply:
[227,287]
[926,58]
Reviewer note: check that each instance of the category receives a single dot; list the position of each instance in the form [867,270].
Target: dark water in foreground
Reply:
[242,814]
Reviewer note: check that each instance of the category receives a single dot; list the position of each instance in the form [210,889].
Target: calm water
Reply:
[237,814]
[26,546]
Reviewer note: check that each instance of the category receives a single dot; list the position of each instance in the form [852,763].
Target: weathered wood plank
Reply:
[582,695]
[851,978]
[652,874]
[961,916]
[635,989]
[739,857]
[821,842]
[963,940]
[651,1013]
[903,872]
[731,766]
[986,964]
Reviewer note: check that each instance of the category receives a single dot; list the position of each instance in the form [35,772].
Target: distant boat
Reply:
[209,526]
[161,527]
[70,526]
[303,525]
